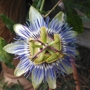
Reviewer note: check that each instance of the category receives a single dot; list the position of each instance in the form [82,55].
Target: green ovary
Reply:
[41,51]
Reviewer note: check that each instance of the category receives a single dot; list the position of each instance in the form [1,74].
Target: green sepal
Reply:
[4,56]
[60,17]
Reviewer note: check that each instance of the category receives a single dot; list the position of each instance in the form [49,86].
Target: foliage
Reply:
[8,22]
[4,56]
[37,3]
[68,84]
[83,6]
[43,86]
[13,87]
[74,20]
[72,17]
[29,79]
[85,18]
[65,83]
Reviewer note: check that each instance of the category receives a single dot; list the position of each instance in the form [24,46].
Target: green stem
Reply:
[42,5]
[53,8]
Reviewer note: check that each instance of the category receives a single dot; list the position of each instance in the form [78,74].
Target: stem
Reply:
[42,5]
[53,8]
[75,74]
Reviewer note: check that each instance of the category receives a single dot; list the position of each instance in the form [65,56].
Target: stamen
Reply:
[45,44]
[32,57]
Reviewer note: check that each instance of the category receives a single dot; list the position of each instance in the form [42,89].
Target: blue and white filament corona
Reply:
[44,48]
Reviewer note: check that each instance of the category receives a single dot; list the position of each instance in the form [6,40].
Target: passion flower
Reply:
[44,48]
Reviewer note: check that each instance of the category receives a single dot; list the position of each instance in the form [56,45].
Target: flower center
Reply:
[45,49]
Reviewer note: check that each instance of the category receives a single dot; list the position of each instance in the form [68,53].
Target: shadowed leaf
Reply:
[4,56]
[37,3]
[8,22]
[72,18]
[13,87]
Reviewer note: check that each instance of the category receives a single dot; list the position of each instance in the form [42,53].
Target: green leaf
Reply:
[13,87]
[43,86]
[29,79]
[73,19]
[68,84]
[63,86]
[4,56]
[85,18]
[83,6]
[68,87]
[8,22]
[43,12]
[71,83]
[10,65]
[37,3]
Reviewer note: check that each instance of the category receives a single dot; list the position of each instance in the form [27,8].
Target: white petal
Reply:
[60,17]
[19,72]
[51,82]
[22,31]
[34,15]
[11,48]
[35,81]
[22,67]
[67,68]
